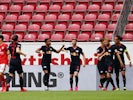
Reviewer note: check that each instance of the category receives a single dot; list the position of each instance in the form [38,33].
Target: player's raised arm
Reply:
[84,59]
[39,51]
[128,56]
[58,51]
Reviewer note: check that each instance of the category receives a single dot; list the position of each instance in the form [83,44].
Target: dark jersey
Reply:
[12,49]
[109,57]
[100,50]
[75,54]
[121,48]
[46,59]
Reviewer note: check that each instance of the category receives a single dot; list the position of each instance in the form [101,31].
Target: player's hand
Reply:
[41,52]
[122,65]
[130,64]
[84,65]
[24,55]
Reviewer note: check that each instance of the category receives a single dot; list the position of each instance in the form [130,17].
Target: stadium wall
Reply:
[59,78]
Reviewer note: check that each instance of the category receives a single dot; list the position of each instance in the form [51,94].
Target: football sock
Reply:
[117,81]
[76,80]
[2,79]
[112,82]
[108,80]
[124,80]
[102,81]
[21,82]
[46,79]
[71,82]
[9,78]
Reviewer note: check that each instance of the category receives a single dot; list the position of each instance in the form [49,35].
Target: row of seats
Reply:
[128,31]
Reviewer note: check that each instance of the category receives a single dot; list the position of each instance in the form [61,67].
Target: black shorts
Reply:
[118,68]
[101,68]
[46,67]
[74,68]
[109,67]
[15,65]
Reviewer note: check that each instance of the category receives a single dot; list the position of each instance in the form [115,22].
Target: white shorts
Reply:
[2,68]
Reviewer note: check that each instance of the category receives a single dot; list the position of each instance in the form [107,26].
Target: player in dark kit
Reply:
[75,52]
[100,64]
[121,49]
[46,59]
[108,63]
[15,63]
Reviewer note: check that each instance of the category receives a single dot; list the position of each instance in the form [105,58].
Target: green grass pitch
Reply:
[66,95]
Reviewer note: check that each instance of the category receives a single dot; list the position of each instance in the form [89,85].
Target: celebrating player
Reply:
[75,52]
[3,60]
[100,64]
[46,59]
[15,63]
[121,49]
[108,62]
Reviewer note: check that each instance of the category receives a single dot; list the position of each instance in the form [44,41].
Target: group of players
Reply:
[109,57]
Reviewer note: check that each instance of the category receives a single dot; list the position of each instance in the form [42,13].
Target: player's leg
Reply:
[2,79]
[102,80]
[117,77]
[71,77]
[124,79]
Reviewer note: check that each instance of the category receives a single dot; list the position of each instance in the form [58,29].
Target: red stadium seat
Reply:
[63,19]
[127,37]
[71,2]
[112,2]
[15,9]
[69,37]
[42,37]
[1,19]
[98,2]
[45,2]
[100,28]
[50,19]
[86,29]
[24,19]
[54,9]
[80,9]
[47,29]
[111,27]
[96,37]
[18,2]
[30,38]
[58,2]
[37,19]
[20,29]
[77,19]
[107,9]
[90,19]
[3,10]
[11,19]
[84,2]
[115,18]
[7,29]
[118,8]
[28,9]
[41,9]
[34,29]
[6,2]
[67,9]
[130,18]
[103,19]
[60,29]
[83,37]
[32,2]
[94,9]
[109,36]
[129,26]
[74,29]
[6,37]
[56,37]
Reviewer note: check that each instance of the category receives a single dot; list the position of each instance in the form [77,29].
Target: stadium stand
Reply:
[85,20]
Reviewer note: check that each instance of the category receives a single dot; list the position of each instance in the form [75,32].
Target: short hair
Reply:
[15,37]
[2,37]
[74,39]
[119,37]
[46,40]
[101,40]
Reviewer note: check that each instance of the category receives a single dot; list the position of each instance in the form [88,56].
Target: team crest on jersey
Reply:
[77,50]
[2,48]
[109,50]
[121,49]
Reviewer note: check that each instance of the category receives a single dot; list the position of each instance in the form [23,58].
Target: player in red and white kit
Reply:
[3,61]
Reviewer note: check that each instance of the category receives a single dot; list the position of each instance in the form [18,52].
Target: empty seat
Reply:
[15,9]
[56,37]
[130,18]
[18,2]
[80,9]
[94,9]
[41,9]
[34,29]
[90,19]
[71,2]
[104,19]
[37,19]
[6,37]
[77,19]
[107,9]
[86,29]
[83,37]
[20,29]
[30,38]
[7,29]
[67,9]
[24,19]
[118,8]
[58,2]
[115,18]
[111,27]
[42,37]
[28,9]
[11,19]
[45,2]
[109,36]
[3,10]
[6,3]
[50,19]
[63,19]
[47,29]
[96,37]
[129,26]
[32,2]
[112,2]
[127,37]
[98,2]
[100,28]
[74,29]
[69,37]
[54,9]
